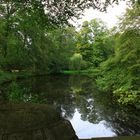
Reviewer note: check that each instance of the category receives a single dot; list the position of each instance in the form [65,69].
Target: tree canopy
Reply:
[35,37]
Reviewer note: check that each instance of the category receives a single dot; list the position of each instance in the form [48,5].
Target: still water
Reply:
[91,113]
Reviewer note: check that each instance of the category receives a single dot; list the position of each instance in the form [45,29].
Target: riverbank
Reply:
[121,93]
[72,72]
[10,76]
[88,72]
[91,73]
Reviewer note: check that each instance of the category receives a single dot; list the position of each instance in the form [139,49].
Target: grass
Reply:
[74,72]
[88,72]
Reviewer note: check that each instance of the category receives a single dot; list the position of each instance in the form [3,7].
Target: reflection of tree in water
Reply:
[95,107]
[75,83]
[68,93]
[83,99]
[123,121]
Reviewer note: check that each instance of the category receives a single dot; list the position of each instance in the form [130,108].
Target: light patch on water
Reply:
[85,129]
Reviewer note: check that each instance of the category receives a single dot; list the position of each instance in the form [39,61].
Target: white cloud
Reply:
[110,17]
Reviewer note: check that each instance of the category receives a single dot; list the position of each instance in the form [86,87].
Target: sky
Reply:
[110,18]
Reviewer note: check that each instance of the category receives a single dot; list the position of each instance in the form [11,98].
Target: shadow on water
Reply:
[33,122]
[91,113]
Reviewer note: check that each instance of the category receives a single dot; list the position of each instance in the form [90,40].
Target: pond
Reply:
[91,112]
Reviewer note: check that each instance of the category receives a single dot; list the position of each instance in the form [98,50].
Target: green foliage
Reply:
[94,42]
[35,37]
[120,74]
[51,13]
[15,93]
[28,40]
[76,62]
[62,49]
[5,76]
[126,96]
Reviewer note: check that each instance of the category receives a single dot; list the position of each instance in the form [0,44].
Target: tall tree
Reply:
[64,46]
[120,73]
[93,42]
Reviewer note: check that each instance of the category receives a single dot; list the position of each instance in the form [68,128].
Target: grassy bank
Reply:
[89,72]
[72,72]
[10,76]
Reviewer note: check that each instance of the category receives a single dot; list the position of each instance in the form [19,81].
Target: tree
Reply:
[23,41]
[94,43]
[27,23]
[120,73]
[63,48]
[84,41]
[76,62]
[48,14]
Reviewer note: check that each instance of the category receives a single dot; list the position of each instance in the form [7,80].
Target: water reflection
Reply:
[85,128]
[92,114]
